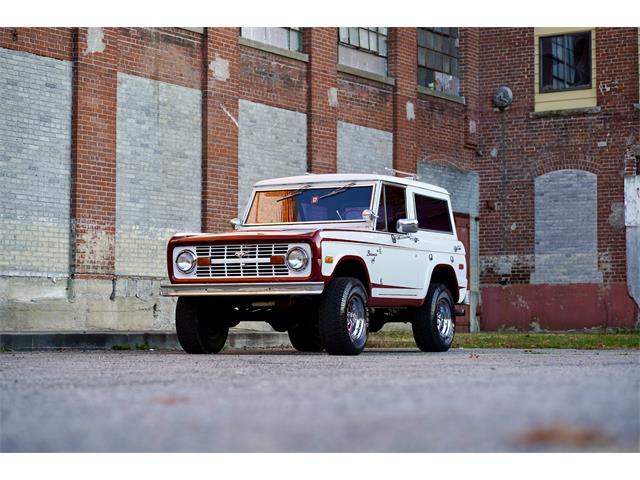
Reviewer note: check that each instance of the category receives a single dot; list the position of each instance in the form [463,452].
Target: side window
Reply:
[392,208]
[433,214]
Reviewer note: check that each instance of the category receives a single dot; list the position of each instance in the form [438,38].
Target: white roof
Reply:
[347,177]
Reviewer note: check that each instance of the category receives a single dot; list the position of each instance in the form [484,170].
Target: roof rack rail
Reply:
[413,176]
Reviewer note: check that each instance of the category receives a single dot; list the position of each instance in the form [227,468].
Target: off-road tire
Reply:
[425,320]
[197,329]
[305,336]
[333,322]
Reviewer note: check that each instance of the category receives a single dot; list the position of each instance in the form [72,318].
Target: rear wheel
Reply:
[198,331]
[344,318]
[433,323]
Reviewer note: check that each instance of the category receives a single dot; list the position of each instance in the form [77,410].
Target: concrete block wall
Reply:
[364,150]
[35,164]
[566,228]
[159,171]
[272,143]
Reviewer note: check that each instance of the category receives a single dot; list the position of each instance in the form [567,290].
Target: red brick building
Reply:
[538,185]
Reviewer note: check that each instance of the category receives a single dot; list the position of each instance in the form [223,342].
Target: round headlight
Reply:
[186,261]
[297,259]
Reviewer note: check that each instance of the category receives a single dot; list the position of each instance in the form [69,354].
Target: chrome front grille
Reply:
[237,260]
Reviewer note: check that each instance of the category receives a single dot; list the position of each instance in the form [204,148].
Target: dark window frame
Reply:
[452,34]
[551,89]
[383,200]
[449,212]
[377,33]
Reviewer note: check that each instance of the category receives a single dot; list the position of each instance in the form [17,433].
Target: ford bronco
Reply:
[328,259]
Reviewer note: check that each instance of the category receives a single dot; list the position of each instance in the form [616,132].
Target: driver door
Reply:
[393,272]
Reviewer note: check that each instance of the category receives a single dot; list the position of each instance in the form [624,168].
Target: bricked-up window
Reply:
[369,39]
[433,214]
[438,59]
[565,62]
[289,38]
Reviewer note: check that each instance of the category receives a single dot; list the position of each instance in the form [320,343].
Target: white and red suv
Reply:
[327,258]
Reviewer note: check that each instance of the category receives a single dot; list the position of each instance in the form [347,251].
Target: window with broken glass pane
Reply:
[565,62]
[289,38]
[438,59]
[369,39]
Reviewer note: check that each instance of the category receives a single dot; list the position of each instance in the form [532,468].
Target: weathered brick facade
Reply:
[161,100]
[516,147]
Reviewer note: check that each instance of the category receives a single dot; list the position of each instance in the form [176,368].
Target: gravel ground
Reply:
[459,401]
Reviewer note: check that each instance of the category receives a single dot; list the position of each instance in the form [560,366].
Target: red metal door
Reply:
[462,228]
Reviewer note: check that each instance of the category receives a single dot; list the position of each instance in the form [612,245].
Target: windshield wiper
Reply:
[337,190]
[295,193]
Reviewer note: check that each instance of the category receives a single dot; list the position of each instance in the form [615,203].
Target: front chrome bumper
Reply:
[241,289]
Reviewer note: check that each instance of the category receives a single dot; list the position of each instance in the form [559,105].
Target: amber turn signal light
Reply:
[277,259]
[204,261]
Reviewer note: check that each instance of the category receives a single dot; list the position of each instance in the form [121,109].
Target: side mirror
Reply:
[407,225]
[235,223]
[369,216]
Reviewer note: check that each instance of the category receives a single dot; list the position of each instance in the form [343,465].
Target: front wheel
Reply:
[197,329]
[433,323]
[343,317]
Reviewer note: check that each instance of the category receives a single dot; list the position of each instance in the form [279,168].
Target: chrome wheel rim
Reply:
[356,318]
[444,319]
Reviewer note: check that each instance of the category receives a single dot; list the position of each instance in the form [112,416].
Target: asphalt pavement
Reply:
[280,401]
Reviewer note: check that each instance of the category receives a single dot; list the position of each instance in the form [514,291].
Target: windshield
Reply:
[308,204]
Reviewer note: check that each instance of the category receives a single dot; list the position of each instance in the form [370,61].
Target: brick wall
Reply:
[403,67]
[170,55]
[517,146]
[272,79]
[321,46]
[93,188]
[221,66]
[46,42]
[365,102]
[159,171]
[35,164]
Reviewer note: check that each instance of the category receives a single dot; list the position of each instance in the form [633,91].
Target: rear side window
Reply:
[392,208]
[433,214]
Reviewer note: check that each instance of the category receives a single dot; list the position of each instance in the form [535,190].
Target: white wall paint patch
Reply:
[411,114]
[220,69]
[95,40]
[332,94]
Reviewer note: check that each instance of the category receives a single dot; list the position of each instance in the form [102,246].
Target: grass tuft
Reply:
[527,341]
